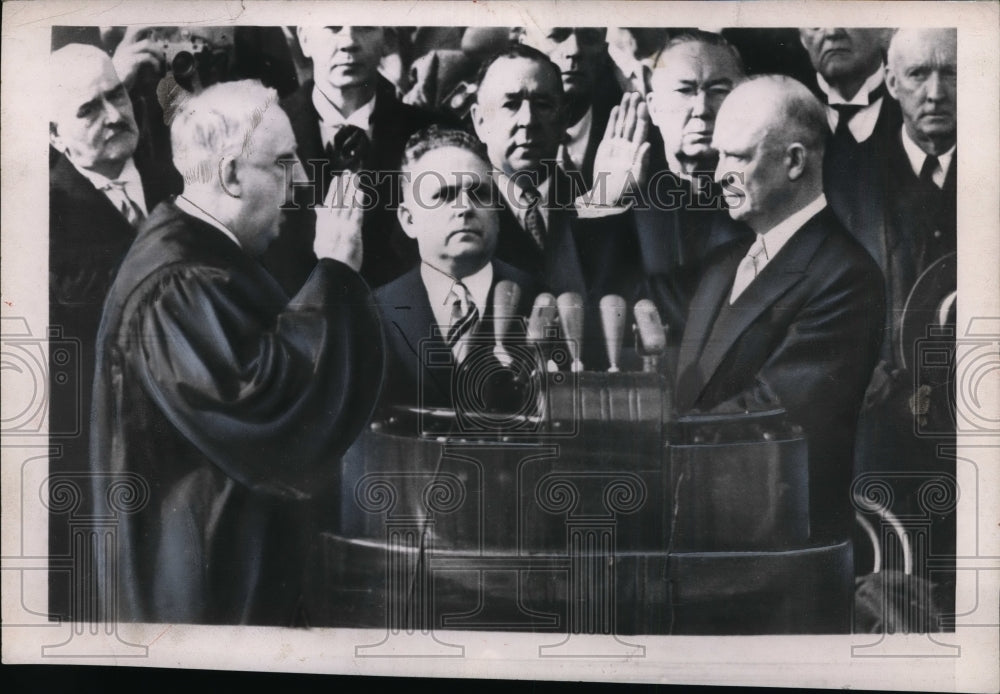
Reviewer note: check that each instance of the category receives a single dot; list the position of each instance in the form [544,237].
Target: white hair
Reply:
[215,124]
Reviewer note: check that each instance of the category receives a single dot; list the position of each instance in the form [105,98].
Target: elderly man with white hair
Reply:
[792,317]
[101,184]
[230,401]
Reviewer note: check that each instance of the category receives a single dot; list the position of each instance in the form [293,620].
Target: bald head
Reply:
[922,76]
[91,122]
[769,134]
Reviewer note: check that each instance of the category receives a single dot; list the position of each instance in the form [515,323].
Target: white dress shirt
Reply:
[775,238]
[129,177]
[917,157]
[862,125]
[188,207]
[439,283]
[331,119]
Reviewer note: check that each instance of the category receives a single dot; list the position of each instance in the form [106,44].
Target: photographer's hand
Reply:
[338,223]
[137,48]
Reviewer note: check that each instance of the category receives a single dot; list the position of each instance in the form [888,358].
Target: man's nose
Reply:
[299,174]
[347,38]
[525,115]
[463,203]
[570,46]
[934,86]
[112,113]
[699,104]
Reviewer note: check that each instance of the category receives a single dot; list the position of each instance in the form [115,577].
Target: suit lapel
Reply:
[89,201]
[730,322]
[705,305]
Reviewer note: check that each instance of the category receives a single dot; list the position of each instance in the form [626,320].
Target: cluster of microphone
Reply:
[564,316]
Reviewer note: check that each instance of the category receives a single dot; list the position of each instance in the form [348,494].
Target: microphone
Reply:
[613,321]
[542,324]
[571,316]
[506,296]
[652,333]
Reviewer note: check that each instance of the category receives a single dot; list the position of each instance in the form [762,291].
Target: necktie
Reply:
[534,222]
[126,205]
[747,270]
[927,172]
[845,113]
[464,316]
[348,150]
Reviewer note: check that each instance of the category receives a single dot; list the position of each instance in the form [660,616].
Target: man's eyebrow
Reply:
[88,104]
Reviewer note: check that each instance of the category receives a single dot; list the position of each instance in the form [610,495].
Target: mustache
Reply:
[119,128]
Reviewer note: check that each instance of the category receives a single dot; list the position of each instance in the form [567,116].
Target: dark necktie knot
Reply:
[927,171]
[348,150]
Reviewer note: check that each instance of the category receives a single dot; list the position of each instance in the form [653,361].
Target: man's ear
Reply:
[477,120]
[54,139]
[229,177]
[405,218]
[796,159]
[890,83]
[302,34]
[653,104]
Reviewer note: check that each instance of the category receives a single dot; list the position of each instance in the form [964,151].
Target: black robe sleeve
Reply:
[273,402]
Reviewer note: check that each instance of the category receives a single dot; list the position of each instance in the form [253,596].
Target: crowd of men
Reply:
[251,262]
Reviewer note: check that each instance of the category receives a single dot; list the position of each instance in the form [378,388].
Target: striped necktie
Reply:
[464,317]
[534,222]
[129,209]
[747,270]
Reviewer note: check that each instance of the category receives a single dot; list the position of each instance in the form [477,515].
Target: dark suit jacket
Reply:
[804,335]
[919,227]
[388,252]
[676,234]
[231,403]
[88,237]
[419,365]
[853,181]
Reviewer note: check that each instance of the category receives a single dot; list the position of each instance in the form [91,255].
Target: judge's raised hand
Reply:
[623,155]
[338,222]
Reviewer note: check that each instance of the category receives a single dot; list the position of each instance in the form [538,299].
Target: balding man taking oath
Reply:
[791,318]
[231,400]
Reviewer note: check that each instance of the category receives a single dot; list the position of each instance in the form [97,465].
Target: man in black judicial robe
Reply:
[347,118]
[220,401]
[793,319]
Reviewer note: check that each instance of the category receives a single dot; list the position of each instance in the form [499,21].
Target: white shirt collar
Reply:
[519,206]
[189,208]
[129,176]
[861,98]
[862,125]
[578,137]
[775,238]
[331,119]
[917,157]
[438,285]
